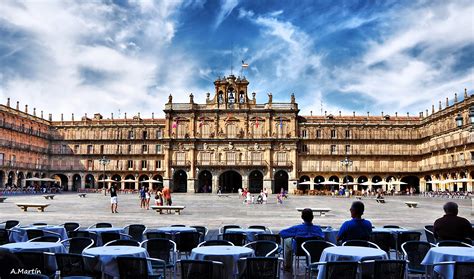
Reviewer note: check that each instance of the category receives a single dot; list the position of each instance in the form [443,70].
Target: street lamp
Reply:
[104,162]
[346,163]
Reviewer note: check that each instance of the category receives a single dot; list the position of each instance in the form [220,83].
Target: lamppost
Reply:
[104,162]
[346,163]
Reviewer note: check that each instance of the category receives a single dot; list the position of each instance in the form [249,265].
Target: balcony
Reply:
[239,163]
[286,164]
[180,163]
[23,165]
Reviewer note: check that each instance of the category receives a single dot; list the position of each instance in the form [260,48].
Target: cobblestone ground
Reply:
[213,211]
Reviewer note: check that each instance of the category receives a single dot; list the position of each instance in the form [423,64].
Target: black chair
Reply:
[462,270]
[135,231]
[403,237]
[162,249]
[40,224]
[336,270]
[387,269]
[260,227]
[71,226]
[75,265]
[76,245]
[415,252]
[107,237]
[269,236]
[262,268]
[360,243]
[216,242]
[133,268]
[238,239]
[34,233]
[4,236]
[452,243]
[101,225]
[196,269]
[46,238]
[313,250]
[179,225]
[383,239]
[203,230]
[86,234]
[123,242]
[187,241]
[36,260]
[10,224]
[429,234]
[223,229]
[299,253]
[392,227]
[151,235]
[263,248]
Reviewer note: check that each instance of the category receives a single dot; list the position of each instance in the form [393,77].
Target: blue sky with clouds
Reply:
[106,56]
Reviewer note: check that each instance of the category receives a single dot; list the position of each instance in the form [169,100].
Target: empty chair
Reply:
[10,224]
[299,253]
[123,242]
[384,240]
[415,252]
[71,226]
[74,265]
[76,245]
[87,234]
[429,234]
[392,227]
[238,239]
[444,243]
[110,236]
[135,231]
[260,227]
[101,225]
[360,243]
[203,230]
[131,267]
[313,250]
[40,224]
[223,229]
[406,236]
[150,235]
[4,236]
[46,238]
[262,267]
[34,233]
[462,270]
[263,248]
[336,270]
[269,236]
[197,269]
[36,261]
[187,241]
[216,242]
[387,269]
[162,249]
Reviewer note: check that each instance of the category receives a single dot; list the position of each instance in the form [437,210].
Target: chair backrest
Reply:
[269,236]
[109,236]
[123,242]
[314,248]
[216,242]
[238,239]
[46,238]
[407,236]
[415,252]
[78,244]
[80,233]
[151,235]
[463,270]
[429,234]
[4,238]
[131,267]
[187,241]
[263,248]
[178,225]
[262,267]
[70,265]
[136,231]
[444,243]
[101,225]
[197,269]
[389,269]
[34,260]
[11,223]
[299,241]
[392,227]
[260,227]
[203,230]
[383,239]
[223,229]
[71,226]
[341,270]
[34,233]
[40,224]
[160,248]
[360,243]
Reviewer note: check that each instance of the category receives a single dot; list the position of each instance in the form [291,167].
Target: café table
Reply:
[330,234]
[107,255]
[99,231]
[228,255]
[250,233]
[173,230]
[51,247]
[349,253]
[19,234]
[447,254]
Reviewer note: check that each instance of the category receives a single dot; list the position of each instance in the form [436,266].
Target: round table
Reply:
[98,231]
[249,232]
[228,255]
[390,230]
[330,235]
[173,230]
[106,257]
[447,254]
[19,233]
[349,253]
[51,247]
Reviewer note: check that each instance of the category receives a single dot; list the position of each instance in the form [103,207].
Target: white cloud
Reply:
[225,9]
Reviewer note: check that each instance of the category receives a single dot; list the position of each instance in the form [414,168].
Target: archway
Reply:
[429,185]
[141,184]
[303,187]
[318,179]
[156,186]
[129,181]
[204,182]
[11,178]
[255,181]
[334,179]
[19,180]
[64,181]
[118,181]
[180,182]
[361,180]
[100,184]
[281,181]
[27,183]
[376,182]
[76,182]
[230,181]
[90,181]
[412,184]
[2,178]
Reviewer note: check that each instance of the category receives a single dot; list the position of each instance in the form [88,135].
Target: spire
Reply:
[72,116]
[26,108]
[34,111]
[439,108]
[432,109]
[455,97]
[8,102]
[17,105]
[465,93]
[447,102]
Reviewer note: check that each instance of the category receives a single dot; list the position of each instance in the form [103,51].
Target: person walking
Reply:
[167,195]
[113,199]
[147,199]
[142,197]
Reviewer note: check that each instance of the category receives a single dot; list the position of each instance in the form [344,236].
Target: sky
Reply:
[128,56]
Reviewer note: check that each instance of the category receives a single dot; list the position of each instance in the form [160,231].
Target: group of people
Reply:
[448,227]
[249,198]
[162,197]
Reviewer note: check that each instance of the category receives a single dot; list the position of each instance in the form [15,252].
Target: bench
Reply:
[39,206]
[411,204]
[82,195]
[48,197]
[159,208]
[358,197]
[2,199]
[321,211]
[223,195]
[380,200]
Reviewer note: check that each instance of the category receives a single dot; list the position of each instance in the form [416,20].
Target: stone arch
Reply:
[318,179]
[376,179]
[20,178]
[76,182]
[2,178]
[156,186]
[90,181]
[303,178]
[230,181]
[362,179]
[118,181]
[255,181]
[180,181]
[129,185]
[280,181]
[204,184]
[27,183]
[63,180]
[141,178]
[412,182]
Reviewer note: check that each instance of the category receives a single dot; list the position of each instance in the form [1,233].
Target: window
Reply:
[90,165]
[76,148]
[102,149]
[461,156]
[2,157]
[63,149]
[281,158]
[318,134]
[144,149]
[158,164]
[159,134]
[230,158]
[182,130]
[145,135]
[333,134]
[348,134]
[333,149]
[129,149]
[181,158]
[205,131]
[304,134]
[231,131]
[348,149]
[119,149]
[205,158]
[144,163]
[304,148]
[130,164]
[130,135]
[158,149]
[256,158]
[90,149]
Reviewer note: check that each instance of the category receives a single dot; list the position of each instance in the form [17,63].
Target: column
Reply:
[69,184]
[83,182]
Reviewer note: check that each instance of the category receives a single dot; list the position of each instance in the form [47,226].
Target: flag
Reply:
[244,65]
[175,123]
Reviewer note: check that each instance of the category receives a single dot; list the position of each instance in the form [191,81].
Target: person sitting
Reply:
[356,228]
[307,229]
[451,226]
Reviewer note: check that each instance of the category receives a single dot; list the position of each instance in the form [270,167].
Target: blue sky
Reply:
[128,56]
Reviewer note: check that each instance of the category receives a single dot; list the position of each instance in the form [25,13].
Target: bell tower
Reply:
[230,93]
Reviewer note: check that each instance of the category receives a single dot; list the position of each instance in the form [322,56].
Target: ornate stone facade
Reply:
[232,142]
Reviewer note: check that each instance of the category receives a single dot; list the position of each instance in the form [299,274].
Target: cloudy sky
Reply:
[128,56]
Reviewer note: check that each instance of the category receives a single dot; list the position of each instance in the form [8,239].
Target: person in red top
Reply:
[167,195]
[451,226]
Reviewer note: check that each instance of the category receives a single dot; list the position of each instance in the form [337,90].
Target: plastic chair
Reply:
[299,253]
[107,237]
[384,240]
[462,270]
[223,229]
[429,234]
[415,252]
[360,243]
[336,270]
[123,242]
[403,237]
[238,239]
[162,249]
[392,227]
[313,250]
[263,248]
[74,265]
[46,238]
[135,231]
[197,269]
[187,241]
[36,260]
[10,224]
[203,230]
[151,235]
[40,224]
[262,267]
[452,243]
[76,245]
[4,236]
[216,242]
[131,267]
[101,225]
[260,227]
[387,269]
[178,225]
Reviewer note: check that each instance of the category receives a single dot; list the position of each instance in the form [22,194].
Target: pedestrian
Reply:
[142,197]
[158,198]
[147,198]
[113,199]
[167,196]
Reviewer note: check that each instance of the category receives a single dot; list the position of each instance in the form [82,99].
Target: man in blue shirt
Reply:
[307,229]
[356,228]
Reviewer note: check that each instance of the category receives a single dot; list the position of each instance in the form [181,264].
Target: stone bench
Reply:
[51,197]
[223,195]
[321,211]
[380,200]
[2,199]
[159,208]
[39,206]
[82,195]
[411,204]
